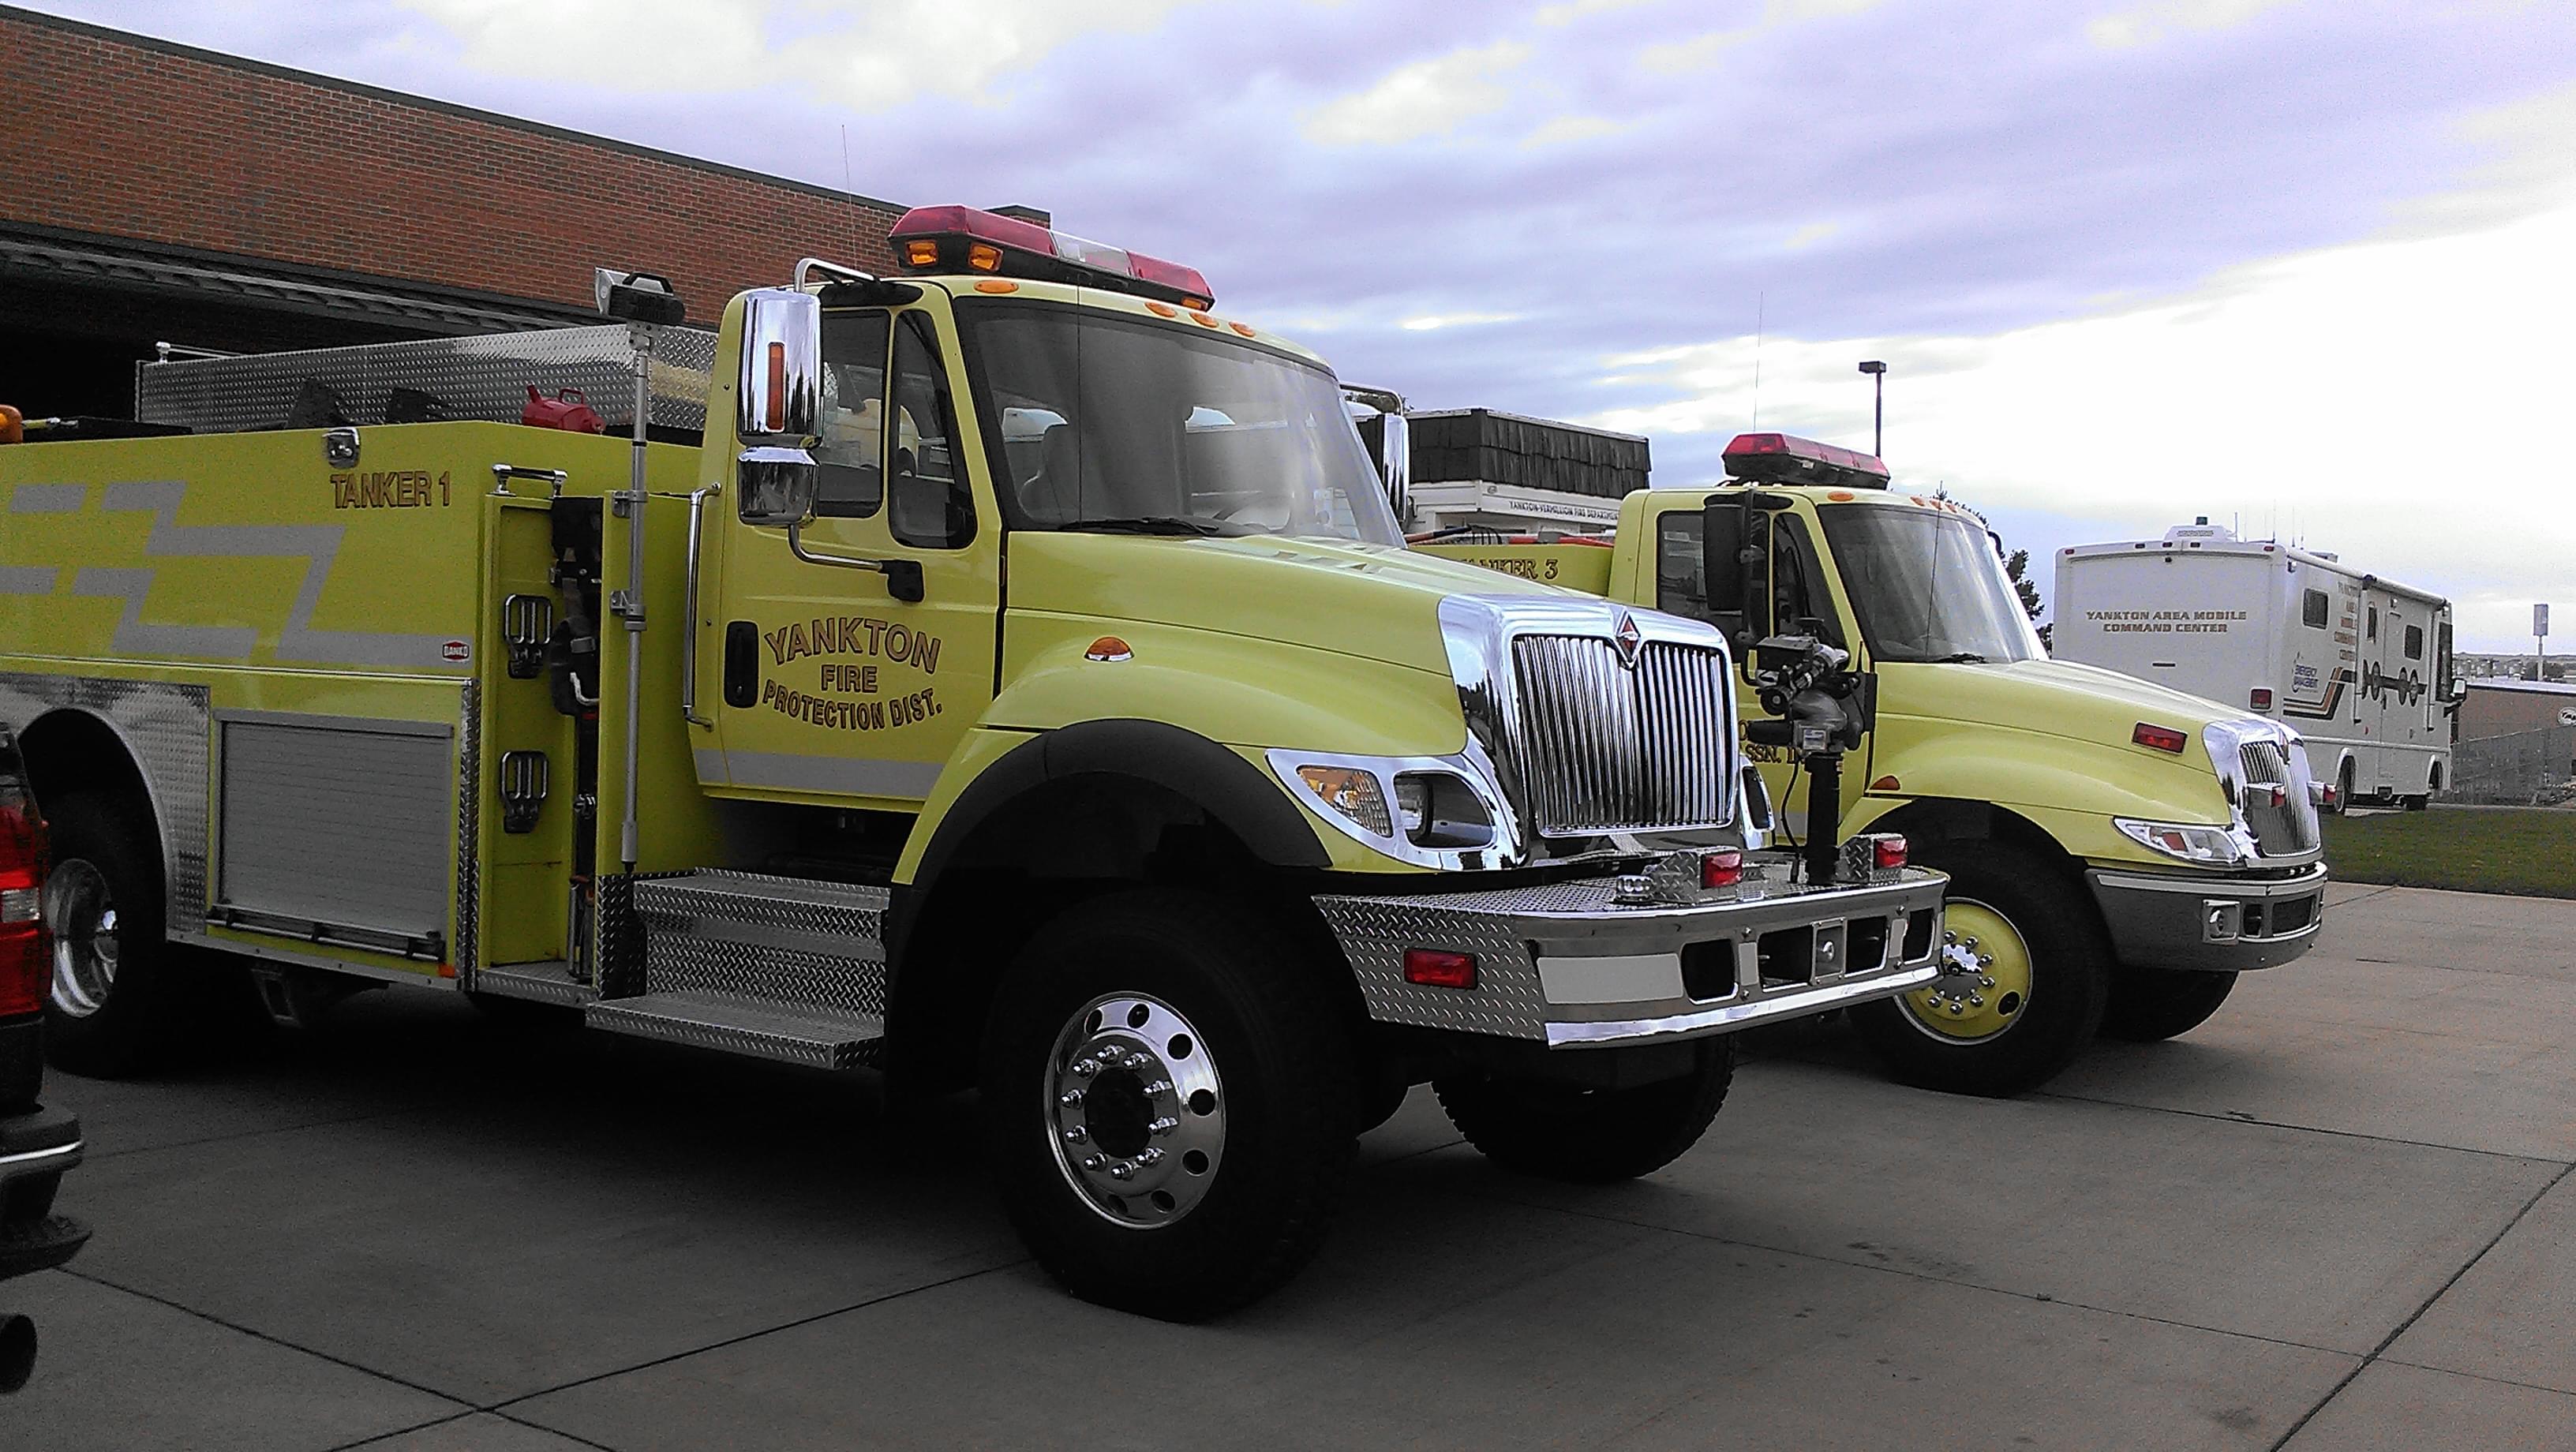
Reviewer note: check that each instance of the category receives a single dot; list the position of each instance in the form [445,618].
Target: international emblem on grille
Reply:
[1628,638]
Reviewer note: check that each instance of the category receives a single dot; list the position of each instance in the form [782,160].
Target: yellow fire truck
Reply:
[2118,852]
[1009,674]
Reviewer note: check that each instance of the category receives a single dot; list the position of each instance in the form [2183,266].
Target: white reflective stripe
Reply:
[1633,978]
[711,767]
[854,776]
[48,498]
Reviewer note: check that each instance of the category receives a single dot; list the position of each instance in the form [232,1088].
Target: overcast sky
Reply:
[2300,265]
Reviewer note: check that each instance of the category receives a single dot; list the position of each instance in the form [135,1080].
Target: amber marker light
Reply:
[921,252]
[1203,320]
[1246,329]
[984,257]
[777,419]
[997,285]
[1162,310]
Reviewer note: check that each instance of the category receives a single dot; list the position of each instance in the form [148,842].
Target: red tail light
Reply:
[1889,851]
[1435,968]
[1721,869]
[2162,738]
[24,949]
[2261,699]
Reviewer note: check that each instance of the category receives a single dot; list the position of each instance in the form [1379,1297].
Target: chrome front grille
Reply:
[2276,804]
[1603,747]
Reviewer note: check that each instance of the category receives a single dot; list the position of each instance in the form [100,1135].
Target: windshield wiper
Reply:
[1965,657]
[1155,524]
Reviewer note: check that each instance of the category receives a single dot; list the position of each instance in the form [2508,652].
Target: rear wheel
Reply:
[2418,803]
[2343,789]
[2026,974]
[2152,1004]
[108,1010]
[1171,1098]
[1594,1136]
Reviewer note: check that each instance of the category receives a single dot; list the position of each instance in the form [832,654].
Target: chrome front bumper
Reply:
[2210,923]
[1571,965]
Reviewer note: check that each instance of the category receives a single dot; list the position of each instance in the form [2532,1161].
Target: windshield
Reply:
[1926,585]
[1114,423]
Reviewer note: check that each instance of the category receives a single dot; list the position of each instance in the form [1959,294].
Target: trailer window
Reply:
[2312,609]
[2414,642]
[851,481]
[2372,632]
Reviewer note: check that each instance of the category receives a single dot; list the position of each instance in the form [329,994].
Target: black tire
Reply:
[2069,978]
[1589,1136]
[2149,1005]
[2417,803]
[1269,1030]
[2343,790]
[129,1027]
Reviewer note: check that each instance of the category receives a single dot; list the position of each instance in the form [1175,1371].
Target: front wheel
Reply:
[2026,974]
[107,1013]
[1591,1136]
[2149,1005]
[1170,1096]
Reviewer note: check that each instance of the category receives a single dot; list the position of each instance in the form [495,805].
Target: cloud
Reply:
[1426,98]
[1702,51]
[1425,323]
[2150,23]
[1566,130]
[868,57]
[2385,399]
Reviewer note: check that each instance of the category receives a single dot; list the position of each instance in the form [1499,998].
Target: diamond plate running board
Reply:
[819,1038]
[550,982]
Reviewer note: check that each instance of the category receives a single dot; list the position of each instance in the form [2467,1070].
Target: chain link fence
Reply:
[2523,769]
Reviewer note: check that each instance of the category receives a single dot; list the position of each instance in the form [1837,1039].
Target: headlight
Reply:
[1436,809]
[2206,846]
[1351,791]
[1428,810]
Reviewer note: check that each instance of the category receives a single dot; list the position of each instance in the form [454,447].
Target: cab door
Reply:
[834,685]
[1802,597]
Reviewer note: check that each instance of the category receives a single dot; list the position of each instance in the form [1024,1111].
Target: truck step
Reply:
[805,960]
[548,982]
[819,1038]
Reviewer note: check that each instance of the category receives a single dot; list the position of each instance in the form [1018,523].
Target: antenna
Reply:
[1758,299]
[850,194]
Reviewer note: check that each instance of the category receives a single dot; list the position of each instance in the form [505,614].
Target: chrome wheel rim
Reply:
[81,914]
[1135,1111]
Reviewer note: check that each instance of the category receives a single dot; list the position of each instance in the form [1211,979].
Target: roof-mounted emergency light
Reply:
[1788,459]
[966,239]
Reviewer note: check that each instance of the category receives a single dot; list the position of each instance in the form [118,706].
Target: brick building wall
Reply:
[115,135]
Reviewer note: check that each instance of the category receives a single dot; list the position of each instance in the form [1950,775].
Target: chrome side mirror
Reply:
[782,365]
[776,487]
[1395,465]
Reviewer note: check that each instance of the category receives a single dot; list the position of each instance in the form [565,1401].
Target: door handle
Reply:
[742,663]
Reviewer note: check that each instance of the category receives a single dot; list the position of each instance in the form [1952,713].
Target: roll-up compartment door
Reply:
[336,830]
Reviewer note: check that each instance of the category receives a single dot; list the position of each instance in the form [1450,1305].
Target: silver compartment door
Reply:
[335,830]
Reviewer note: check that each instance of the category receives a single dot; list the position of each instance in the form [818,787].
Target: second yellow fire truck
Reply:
[1009,673]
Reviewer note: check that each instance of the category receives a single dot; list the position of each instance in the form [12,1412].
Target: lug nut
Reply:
[1985,983]
[1137,1061]
[1093,1163]
[1079,1134]
[1122,1171]
[1976,1000]
[1163,1126]
[1085,1068]
[1069,1098]
[1955,1008]
[1159,1086]
[1150,1156]
[1985,960]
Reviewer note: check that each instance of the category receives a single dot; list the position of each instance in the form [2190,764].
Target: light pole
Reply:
[1878,407]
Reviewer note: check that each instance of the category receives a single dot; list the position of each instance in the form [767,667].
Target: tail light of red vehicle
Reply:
[24,949]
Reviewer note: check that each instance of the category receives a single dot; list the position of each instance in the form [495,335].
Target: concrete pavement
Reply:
[2338,1215]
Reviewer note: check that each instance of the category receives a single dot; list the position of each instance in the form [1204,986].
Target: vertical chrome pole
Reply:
[630,605]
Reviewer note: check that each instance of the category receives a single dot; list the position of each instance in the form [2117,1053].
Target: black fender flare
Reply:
[1235,794]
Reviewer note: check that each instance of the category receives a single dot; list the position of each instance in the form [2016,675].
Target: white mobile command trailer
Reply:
[2358,665]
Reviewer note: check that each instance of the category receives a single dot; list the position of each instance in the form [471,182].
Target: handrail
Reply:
[689,647]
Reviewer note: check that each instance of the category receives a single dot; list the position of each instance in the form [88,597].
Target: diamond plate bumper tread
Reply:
[779,940]
[815,1037]
[1520,935]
